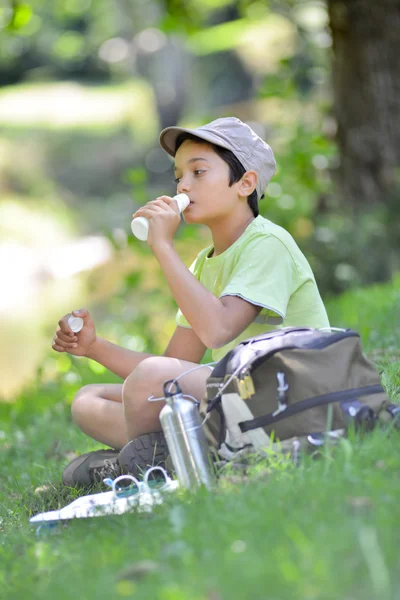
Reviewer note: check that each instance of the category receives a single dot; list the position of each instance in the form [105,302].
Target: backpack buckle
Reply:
[245,386]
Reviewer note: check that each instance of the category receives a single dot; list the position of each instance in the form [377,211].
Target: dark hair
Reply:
[236,169]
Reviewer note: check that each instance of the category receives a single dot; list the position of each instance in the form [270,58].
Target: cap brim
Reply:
[169,135]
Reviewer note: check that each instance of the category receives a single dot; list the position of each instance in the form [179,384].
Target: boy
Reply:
[252,278]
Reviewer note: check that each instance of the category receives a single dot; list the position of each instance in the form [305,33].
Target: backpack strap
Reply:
[271,418]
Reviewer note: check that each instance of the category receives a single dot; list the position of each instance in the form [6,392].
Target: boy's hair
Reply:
[236,169]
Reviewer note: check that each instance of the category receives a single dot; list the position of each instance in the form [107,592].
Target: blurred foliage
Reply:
[86,88]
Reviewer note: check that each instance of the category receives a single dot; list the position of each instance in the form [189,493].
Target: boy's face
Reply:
[204,177]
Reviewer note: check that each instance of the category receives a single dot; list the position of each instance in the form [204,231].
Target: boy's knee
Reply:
[146,377]
[134,383]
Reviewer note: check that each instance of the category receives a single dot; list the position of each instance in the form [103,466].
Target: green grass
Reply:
[325,530]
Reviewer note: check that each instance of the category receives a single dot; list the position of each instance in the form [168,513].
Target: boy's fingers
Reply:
[150,212]
[64,327]
[65,337]
[64,330]
[165,199]
[80,312]
[158,205]
[165,202]
[58,348]
[58,344]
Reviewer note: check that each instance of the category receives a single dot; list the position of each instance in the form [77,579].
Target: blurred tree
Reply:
[366,77]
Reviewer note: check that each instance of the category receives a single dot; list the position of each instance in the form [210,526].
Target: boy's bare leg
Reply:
[97,410]
[114,414]
[148,378]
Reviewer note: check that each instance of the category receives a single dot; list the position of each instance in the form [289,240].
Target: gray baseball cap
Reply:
[234,135]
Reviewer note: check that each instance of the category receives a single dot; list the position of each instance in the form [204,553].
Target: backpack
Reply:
[289,385]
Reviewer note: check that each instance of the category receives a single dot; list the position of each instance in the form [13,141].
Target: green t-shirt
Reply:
[265,267]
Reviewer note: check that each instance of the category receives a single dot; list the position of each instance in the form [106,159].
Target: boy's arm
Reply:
[116,359]
[215,321]
[184,344]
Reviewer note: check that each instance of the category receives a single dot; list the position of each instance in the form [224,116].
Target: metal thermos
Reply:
[186,440]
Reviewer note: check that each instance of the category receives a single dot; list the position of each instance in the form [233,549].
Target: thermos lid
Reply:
[169,388]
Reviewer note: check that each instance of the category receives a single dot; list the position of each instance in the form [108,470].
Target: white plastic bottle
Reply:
[140,225]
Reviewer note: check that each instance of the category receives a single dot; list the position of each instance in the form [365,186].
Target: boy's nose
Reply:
[183,186]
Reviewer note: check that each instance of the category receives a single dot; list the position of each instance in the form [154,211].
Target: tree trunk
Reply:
[366,81]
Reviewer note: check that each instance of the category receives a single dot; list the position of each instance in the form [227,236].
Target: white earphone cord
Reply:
[152,399]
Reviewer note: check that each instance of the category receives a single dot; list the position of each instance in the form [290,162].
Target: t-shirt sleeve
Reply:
[265,275]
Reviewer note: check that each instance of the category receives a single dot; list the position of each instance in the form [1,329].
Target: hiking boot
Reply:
[91,468]
[149,450]
[135,458]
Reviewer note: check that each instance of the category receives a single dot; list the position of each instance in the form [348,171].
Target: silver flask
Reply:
[181,423]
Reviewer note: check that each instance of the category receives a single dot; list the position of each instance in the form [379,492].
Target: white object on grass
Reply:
[140,225]
[139,496]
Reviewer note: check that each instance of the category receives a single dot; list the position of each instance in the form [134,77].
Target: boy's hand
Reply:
[164,218]
[78,344]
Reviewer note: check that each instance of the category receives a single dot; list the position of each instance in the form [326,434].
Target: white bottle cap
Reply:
[75,323]
[140,228]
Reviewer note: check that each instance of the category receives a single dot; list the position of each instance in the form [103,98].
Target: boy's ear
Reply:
[248,183]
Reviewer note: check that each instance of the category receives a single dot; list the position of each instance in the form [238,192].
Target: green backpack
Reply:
[296,385]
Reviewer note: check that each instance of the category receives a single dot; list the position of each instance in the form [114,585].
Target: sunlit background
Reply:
[85,89]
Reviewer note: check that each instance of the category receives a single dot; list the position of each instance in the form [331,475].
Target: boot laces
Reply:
[109,469]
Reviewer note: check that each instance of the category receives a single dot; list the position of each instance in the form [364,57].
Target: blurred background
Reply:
[85,88]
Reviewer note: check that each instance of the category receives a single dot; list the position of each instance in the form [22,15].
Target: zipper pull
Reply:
[282,389]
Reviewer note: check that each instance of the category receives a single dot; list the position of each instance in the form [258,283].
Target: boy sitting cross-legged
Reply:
[252,278]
